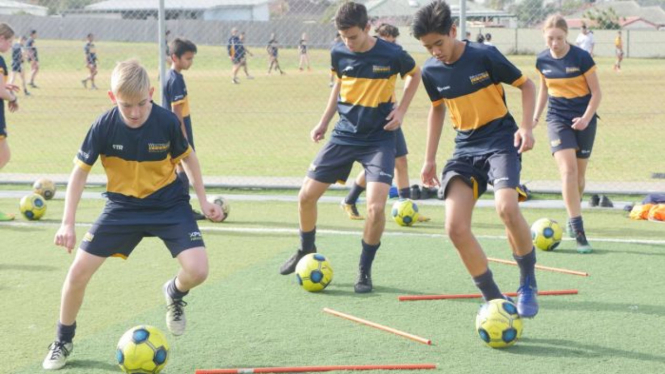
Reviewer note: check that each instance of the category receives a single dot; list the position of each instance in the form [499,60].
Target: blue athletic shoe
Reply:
[527,302]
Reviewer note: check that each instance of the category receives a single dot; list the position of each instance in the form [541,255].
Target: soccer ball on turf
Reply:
[142,349]
[405,212]
[546,234]
[498,323]
[314,272]
[32,206]
[223,203]
[44,187]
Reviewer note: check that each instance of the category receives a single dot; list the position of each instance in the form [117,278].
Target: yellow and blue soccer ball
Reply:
[314,272]
[44,187]
[546,234]
[405,212]
[498,325]
[33,206]
[223,203]
[142,349]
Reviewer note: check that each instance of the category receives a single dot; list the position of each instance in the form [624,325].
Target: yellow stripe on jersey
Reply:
[137,179]
[185,106]
[367,92]
[413,71]
[568,88]
[520,81]
[119,255]
[475,110]
[82,164]
[185,154]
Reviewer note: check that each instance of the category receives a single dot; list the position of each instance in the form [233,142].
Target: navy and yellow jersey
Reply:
[31,49]
[140,166]
[367,91]
[90,52]
[567,88]
[234,41]
[471,88]
[273,48]
[3,124]
[175,93]
[302,46]
[17,54]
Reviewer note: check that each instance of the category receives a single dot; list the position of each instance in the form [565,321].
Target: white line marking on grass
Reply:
[256,230]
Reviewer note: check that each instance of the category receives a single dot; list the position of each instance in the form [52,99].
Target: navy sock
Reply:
[527,265]
[404,193]
[577,224]
[174,292]
[487,286]
[65,333]
[354,194]
[185,181]
[307,240]
[367,255]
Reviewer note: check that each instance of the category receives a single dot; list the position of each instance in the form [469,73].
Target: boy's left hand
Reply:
[394,120]
[579,124]
[12,87]
[13,106]
[212,211]
[524,140]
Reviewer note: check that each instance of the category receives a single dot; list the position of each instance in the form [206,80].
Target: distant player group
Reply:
[149,158]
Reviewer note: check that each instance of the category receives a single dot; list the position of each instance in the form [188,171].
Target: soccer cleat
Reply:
[57,355]
[235,81]
[569,230]
[175,313]
[84,82]
[422,218]
[93,87]
[33,85]
[415,192]
[364,282]
[5,217]
[523,193]
[583,245]
[250,77]
[197,215]
[26,92]
[289,266]
[605,202]
[594,200]
[527,302]
[351,210]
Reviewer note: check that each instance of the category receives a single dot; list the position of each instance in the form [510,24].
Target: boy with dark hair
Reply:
[17,63]
[273,54]
[140,144]
[366,70]
[33,57]
[175,98]
[90,62]
[467,78]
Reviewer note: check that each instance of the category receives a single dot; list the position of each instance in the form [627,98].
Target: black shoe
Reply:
[605,202]
[595,199]
[415,192]
[428,192]
[583,245]
[198,216]
[364,282]
[289,266]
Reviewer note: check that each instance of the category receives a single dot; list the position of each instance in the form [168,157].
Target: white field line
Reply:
[255,230]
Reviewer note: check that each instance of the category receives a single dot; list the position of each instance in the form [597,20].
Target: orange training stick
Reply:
[304,369]
[380,327]
[557,270]
[478,296]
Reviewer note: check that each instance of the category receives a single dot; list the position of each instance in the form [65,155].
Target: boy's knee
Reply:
[198,274]
[375,211]
[509,212]
[457,231]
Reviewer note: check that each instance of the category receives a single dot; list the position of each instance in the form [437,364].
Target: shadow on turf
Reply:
[563,348]
[92,364]
[23,267]
[595,306]
[346,289]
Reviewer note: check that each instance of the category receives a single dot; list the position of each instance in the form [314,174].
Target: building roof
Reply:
[627,9]
[28,8]
[136,5]
[396,8]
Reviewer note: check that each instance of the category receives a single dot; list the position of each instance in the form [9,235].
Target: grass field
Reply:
[261,127]
[247,315]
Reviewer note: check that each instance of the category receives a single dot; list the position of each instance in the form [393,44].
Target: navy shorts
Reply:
[3,132]
[562,136]
[400,144]
[17,67]
[106,240]
[334,162]
[500,169]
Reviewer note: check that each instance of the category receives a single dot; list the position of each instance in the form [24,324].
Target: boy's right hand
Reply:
[66,237]
[319,132]
[428,175]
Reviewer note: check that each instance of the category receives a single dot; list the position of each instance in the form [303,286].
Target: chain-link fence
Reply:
[254,130]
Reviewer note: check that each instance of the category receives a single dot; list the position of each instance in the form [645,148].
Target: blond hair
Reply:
[6,31]
[556,21]
[130,80]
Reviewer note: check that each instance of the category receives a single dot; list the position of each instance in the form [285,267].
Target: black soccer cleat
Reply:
[594,200]
[289,266]
[605,202]
[364,282]
[583,245]
[415,192]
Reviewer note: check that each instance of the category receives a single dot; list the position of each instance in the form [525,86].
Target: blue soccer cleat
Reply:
[527,300]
